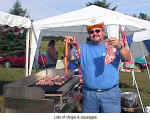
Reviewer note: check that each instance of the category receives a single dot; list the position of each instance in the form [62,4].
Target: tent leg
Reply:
[133,77]
[139,95]
[147,68]
[27,53]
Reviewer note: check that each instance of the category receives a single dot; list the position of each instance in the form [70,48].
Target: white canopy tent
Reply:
[141,35]
[14,20]
[74,22]
[17,21]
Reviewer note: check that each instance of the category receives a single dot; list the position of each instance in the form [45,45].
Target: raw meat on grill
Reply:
[51,80]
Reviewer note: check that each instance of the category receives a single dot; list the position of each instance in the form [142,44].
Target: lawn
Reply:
[11,74]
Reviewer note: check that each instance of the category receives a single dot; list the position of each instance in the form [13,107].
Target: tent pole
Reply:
[33,31]
[27,53]
[137,89]
[133,77]
[135,83]
[147,68]
[30,42]
[139,95]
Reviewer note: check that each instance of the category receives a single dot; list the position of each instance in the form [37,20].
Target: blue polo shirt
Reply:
[96,74]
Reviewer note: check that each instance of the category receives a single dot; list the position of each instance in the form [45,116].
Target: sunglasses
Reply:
[92,31]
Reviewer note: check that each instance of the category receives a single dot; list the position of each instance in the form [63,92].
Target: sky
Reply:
[40,9]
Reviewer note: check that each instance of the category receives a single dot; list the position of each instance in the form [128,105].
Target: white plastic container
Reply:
[147,109]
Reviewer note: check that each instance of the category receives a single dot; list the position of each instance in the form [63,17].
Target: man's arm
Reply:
[125,53]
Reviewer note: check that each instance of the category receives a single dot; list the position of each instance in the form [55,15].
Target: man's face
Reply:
[96,34]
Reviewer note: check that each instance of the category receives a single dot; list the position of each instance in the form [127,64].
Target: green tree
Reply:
[102,3]
[18,10]
[10,43]
[144,16]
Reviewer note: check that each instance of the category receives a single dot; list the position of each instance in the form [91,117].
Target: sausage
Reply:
[48,80]
[66,55]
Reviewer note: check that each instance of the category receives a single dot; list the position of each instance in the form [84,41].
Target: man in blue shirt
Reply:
[101,92]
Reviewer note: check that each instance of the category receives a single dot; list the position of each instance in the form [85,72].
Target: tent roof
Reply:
[13,20]
[91,15]
[141,35]
[76,21]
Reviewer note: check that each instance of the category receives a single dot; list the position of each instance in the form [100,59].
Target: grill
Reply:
[25,96]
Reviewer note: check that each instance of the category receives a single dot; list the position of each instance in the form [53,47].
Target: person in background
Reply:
[51,54]
[99,63]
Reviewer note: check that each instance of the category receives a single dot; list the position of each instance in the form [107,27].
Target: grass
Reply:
[11,74]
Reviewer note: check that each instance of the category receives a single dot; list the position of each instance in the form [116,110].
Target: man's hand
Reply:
[114,42]
[125,53]
[72,41]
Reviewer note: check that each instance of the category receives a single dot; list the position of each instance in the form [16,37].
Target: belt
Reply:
[100,90]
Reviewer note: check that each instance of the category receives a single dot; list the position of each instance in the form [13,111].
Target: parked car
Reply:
[19,60]
[2,58]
